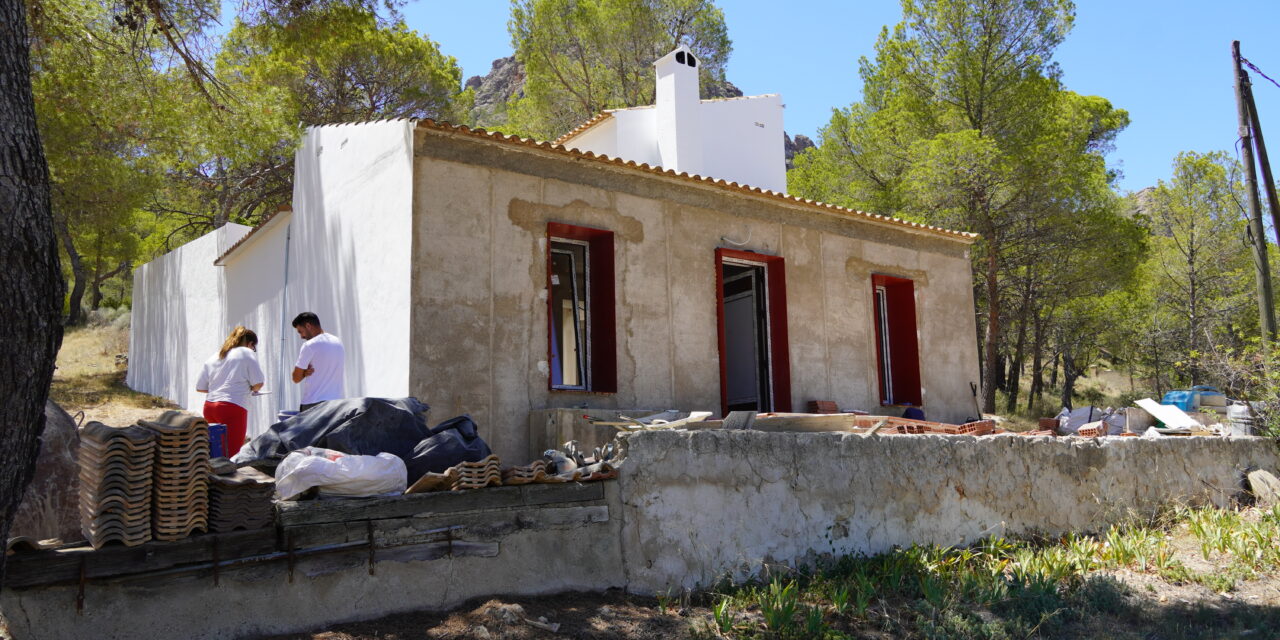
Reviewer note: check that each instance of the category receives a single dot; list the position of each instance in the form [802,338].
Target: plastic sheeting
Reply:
[452,441]
[362,426]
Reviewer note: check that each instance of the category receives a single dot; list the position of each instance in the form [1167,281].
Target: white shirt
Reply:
[325,353]
[228,379]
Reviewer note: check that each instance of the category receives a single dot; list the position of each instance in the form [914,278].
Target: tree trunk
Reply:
[1037,364]
[31,309]
[95,288]
[1069,376]
[79,274]
[1015,374]
[991,341]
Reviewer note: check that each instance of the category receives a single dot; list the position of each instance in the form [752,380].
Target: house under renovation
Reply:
[650,259]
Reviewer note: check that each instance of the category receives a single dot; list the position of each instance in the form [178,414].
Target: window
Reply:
[755,369]
[897,353]
[580,313]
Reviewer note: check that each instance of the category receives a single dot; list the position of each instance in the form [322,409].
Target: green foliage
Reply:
[1008,588]
[583,56]
[964,123]
[340,64]
[779,604]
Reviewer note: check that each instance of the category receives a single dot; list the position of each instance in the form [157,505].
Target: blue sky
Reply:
[1167,63]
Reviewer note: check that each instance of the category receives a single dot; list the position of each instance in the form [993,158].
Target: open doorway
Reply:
[746,337]
[752,313]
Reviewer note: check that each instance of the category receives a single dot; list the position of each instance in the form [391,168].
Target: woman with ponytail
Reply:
[229,377]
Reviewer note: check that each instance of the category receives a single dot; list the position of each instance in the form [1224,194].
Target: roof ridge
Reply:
[720,182]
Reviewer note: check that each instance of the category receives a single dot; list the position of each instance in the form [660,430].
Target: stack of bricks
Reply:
[180,486]
[115,484]
[241,500]
[823,406]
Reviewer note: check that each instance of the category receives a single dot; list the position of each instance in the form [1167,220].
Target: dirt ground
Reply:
[89,380]
[597,616]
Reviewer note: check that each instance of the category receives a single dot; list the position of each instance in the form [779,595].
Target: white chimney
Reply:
[679,137]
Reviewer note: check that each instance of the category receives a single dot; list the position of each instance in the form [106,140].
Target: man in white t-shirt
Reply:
[320,362]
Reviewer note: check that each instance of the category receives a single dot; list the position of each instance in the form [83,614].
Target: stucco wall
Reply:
[479,341]
[350,250]
[706,504]
[177,320]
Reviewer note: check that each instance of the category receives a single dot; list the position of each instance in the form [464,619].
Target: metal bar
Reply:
[291,556]
[369,528]
[80,593]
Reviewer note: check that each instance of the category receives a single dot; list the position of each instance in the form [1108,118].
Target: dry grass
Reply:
[88,378]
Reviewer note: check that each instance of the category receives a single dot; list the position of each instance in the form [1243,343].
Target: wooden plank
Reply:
[63,565]
[293,514]
[806,422]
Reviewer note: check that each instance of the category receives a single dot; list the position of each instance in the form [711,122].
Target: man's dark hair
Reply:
[306,317]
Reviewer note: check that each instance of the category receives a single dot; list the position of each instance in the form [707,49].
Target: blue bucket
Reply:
[217,440]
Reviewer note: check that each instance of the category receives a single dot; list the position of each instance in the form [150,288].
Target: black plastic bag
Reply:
[452,441]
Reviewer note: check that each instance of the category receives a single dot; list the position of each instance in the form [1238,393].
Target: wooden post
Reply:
[1266,310]
[1260,146]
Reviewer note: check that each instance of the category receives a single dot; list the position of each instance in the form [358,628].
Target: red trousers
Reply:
[234,416]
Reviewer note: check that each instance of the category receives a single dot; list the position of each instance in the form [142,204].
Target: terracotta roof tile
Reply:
[964,236]
[595,120]
[261,225]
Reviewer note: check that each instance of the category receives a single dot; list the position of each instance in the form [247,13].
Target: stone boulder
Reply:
[50,506]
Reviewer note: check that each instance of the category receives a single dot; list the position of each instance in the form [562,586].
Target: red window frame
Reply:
[779,352]
[602,345]
[904,361]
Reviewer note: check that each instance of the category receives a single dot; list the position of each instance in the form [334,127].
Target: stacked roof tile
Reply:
[180,476]
[479,474]
[535,471]
[115,484]
[240,500]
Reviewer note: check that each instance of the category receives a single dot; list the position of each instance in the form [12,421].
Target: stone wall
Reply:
[688,509]
[703,505]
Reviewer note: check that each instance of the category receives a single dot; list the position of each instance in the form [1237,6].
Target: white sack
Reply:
[340,474]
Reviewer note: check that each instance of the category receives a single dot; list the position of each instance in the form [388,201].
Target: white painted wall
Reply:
[745,141]
[680,131]
[739,139]
[350,252]
[177,320]
[255,274]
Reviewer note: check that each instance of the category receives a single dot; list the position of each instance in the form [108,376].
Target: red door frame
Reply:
[604,349]
[779,353]
[900,303]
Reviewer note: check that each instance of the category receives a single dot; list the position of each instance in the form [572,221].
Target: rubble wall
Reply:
[703,505]
[479,328]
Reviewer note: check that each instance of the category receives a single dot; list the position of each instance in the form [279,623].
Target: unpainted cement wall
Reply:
[522,551]
[479,328]
[704,505]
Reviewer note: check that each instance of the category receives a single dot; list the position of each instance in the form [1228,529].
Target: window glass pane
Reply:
[569,328]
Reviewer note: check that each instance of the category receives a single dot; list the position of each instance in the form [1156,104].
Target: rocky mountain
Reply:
[792,146]
[504,81]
